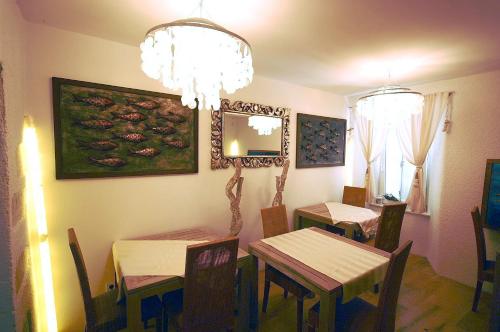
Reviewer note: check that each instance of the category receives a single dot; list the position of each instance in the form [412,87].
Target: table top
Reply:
[197,234]
[301,272]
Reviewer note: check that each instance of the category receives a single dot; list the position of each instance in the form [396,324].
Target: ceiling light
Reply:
[264,124]
[389,104]
[199,57]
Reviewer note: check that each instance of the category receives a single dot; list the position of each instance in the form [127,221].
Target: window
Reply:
[396,174]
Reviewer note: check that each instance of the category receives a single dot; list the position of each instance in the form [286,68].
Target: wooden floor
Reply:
[427,302]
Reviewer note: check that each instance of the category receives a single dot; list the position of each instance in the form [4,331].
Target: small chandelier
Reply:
[199,57]
[264,124]
[389,104]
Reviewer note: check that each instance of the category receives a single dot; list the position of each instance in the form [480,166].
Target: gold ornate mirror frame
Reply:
[219,161]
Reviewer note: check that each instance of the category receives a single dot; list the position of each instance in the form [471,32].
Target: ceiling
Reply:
[343,46]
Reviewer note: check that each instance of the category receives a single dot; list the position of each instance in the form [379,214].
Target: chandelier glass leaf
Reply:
[199,58]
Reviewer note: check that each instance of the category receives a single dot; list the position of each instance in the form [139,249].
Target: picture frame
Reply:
[109,131]
[490,207]
[257,159]
[320,141]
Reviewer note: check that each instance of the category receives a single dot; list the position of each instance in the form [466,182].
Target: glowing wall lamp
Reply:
[41,272]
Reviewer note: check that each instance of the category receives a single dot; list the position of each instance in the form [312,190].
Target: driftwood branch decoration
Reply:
[280,185]
[234,199]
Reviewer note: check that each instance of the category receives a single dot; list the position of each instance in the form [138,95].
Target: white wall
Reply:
[104,210]
[457,177]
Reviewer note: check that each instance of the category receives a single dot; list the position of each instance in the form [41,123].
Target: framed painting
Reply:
[107,131]
[320,141]
[490,209]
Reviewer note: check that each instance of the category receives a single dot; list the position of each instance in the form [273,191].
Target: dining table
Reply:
[334,267]
[352,220]
[154,265]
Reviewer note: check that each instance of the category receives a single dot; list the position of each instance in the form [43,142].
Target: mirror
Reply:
[247,135]
[255,134]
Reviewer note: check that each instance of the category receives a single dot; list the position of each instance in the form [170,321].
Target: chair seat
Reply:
[110,315]
[285,282]
[356,316]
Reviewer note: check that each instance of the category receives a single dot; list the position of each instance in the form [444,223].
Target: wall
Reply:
[104,210]
[457,178]
[15,290]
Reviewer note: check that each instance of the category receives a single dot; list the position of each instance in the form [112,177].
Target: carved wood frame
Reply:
[219,161]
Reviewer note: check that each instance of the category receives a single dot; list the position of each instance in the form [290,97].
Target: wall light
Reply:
[41,271]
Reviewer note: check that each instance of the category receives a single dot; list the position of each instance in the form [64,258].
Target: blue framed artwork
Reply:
[491,195]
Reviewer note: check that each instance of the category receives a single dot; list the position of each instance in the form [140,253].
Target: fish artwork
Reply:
[176,143]
[96,124]
[307,124]
[144,104]
[175,118]
[322,147]
[325,124]
[103,145]
[132,137]
[110,161]
[167,130]
[132,117]
[95,100]
[146,152]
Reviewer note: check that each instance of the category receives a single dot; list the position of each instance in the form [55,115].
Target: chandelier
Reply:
[199,57]
[389,104]
[264,124]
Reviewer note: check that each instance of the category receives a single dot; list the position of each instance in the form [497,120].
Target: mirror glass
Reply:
[247,135]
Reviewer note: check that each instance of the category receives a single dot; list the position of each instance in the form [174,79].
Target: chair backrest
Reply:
[480,242]
[495,305]
[388,300]
[274,221]
[90,314]
[389,227]
[209,281]
[354,196]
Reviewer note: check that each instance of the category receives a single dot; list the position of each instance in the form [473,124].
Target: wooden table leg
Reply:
[327,312]
[134,312]
[254,293]
[297,222]
[243,320]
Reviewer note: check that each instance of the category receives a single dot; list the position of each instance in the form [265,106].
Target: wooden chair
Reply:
[389,228]
[485,268]
[358,315]
[274,222]
[102,313]
[495,304]
[207,301]
[354,196]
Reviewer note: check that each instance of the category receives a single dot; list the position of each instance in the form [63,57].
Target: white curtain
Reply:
[416,134]
[372,142]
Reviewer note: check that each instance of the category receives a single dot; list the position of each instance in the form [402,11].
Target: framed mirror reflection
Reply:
[256,134]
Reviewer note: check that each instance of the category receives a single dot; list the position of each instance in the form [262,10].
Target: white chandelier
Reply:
[199,57]
[390,104]
[264,124]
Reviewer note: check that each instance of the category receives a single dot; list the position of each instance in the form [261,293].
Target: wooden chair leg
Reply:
[285,293]
[477,295]
[300,314]
[265,300]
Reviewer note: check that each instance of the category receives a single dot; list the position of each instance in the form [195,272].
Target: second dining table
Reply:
[332,266]
[154,265]
[351,219]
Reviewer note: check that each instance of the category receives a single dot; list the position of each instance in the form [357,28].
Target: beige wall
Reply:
[104,210]
[457,177]
[15,296]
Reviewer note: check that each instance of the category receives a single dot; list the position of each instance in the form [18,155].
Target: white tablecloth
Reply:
[356,268]
[150,257]
[366,218]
